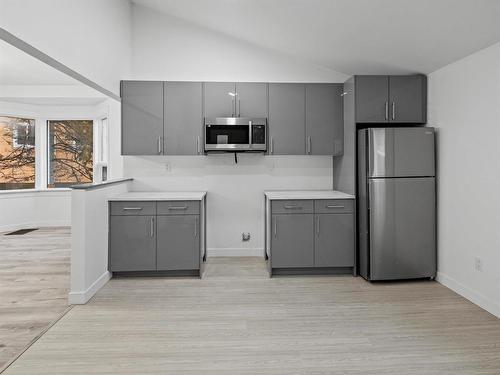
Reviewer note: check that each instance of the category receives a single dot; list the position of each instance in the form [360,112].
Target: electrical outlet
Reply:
[478,264]
[168,167]
[245,236]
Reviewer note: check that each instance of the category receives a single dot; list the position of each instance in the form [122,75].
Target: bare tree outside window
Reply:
[17,153]
[70,152]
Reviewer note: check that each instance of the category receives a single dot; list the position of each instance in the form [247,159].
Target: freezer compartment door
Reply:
[402,228]
[401,152]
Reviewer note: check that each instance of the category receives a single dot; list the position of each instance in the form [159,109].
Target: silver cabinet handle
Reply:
[317,225]
[333,206]
[272,145]
[275,227]
[151,227]
[159,144]
[198,151]
[292,207]
[308,145]
[250,132]
[239,107]
[178,208]
[393,110]
[233,107]
[387,110]
[196,227]
[132,208]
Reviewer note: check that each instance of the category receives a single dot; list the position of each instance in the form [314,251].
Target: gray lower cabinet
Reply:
[132,243]
[142,117]
[219,99]
[155,236]
[292,241]
[178,244]
[312,234]
[287,126]
[324,121]
[251,99]
[334,240]
[183,118]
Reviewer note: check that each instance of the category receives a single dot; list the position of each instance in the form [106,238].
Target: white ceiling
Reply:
[352,36]
[19,68]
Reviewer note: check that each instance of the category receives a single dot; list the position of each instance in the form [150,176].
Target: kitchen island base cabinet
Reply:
[133,243]
[157,238]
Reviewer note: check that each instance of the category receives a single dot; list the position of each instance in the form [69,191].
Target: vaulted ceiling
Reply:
[352,36]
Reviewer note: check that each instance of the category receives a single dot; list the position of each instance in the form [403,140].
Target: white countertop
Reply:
[307,194]
[160,196]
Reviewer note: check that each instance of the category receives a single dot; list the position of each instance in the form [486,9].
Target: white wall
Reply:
[91,37]
[166,48]
[235,200]
[464,106]
[89,240]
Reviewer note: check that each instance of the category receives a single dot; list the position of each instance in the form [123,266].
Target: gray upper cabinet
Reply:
[372,99]
[287,119]
[334,240]
[408,99]
[219,99]
[142,118]
[251,99]
[391,99]
[292,241]
[324,120]
[178,242]
[183,118]
[133,243]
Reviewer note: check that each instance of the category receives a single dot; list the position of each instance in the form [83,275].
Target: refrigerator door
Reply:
[400,152]
[402,228]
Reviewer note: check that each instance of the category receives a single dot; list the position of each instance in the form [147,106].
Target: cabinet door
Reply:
[408,99]
[292,241]
[218,101]
[142,118]
[324,121]
[251,99]
[372,99]
[178,242]
[287,119]
[132,243]
[334,240]
[183,118]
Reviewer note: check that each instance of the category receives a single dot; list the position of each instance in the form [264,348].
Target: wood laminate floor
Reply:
[236,320]
[34,285]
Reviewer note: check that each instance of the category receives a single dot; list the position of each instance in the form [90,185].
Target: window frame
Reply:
[41,138]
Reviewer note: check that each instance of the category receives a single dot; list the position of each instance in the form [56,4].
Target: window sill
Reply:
[31,191]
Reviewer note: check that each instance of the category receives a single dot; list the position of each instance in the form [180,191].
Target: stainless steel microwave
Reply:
[235,134]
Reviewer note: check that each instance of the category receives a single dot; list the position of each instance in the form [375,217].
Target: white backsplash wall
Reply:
[235,201]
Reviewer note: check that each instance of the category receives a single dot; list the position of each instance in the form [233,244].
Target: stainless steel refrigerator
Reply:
[397,203]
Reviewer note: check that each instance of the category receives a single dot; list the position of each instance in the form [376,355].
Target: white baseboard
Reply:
[81,298]
[232,252]
[35,224]
[470,294]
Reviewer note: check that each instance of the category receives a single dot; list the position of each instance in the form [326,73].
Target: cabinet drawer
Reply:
[133,208]
[292,207]
[178,208]
[329,206]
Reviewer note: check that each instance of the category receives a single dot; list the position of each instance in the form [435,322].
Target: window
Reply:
[70,152]
[17,153]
